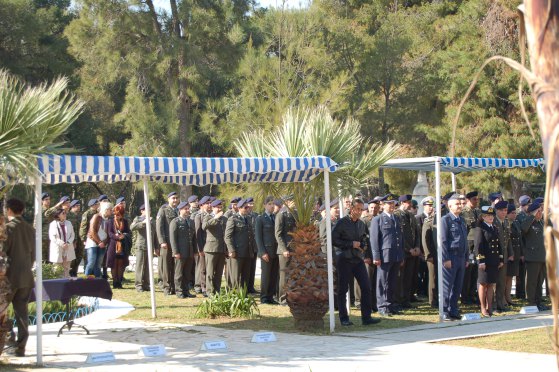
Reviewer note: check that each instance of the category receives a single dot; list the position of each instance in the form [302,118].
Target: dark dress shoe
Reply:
[456,316]
[406,305]
[448,318]
[543,308]
[346,323]
[189,295]
[371,321]
[414,299]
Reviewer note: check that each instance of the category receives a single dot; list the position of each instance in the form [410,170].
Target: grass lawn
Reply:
[272,317]
[537,341]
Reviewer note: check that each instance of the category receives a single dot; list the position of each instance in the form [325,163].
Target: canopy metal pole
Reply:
[39,267]
[453,176]
[329,250]
[439,237]
[150,248]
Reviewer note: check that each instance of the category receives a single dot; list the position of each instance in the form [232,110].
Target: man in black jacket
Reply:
[352,252]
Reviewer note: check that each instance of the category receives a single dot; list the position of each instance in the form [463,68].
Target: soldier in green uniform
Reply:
[503,229]
[265,237]
[534,254]
[520,282]
[74,217]
[285,223]
[203,208]
[166,214]
[139,229]
[233,207]
[334,217]
[45,202]
[253,216]
[471,214]
[517,250]
[429,244]
[405,291]
[239,238]
[182,239]
[214,224]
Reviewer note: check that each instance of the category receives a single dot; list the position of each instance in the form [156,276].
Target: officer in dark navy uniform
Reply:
[455,257]
[388,253]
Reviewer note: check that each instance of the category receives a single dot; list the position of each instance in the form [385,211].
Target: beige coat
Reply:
[58,247]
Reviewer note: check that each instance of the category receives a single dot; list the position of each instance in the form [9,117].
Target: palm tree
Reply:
[32,121]
[315,132]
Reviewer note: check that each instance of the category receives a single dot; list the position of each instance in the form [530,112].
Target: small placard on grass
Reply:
[263,337]
[529,310]
[471,316]
[153,350]
[214,345]
[94,358]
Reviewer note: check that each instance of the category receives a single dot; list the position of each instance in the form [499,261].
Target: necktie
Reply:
[63,228]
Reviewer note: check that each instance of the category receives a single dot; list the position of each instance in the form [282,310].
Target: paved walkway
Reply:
[402,349]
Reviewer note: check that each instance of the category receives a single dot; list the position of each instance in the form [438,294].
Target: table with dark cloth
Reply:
[63,289]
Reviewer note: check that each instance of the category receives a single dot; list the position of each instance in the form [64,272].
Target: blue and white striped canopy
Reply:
[184,171]
[459,165]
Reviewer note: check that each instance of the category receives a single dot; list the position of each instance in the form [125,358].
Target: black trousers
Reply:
[250,285]
[520,284]
[269,278]
[372,272]
[19,298]
[408,280]
[387,278]
[347,269]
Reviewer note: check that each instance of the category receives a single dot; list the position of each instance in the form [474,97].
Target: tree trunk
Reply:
[541,19]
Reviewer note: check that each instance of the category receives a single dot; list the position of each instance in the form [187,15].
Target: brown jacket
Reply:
[94,225]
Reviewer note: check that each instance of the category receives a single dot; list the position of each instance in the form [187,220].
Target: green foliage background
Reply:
[192,80]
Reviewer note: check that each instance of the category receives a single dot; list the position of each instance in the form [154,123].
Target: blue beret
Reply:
[495,195]
[192,198]
[64,199]
[404,198]
[182,205]
[524,200]
[173,193]
[449,195]
[204,200]
[102,197]
[45,195]
[143,207]
[501,205]
[241,203]
[375,200]
[278,202]
[389,198]
[212,198]
[454,197]
[334,202]
[539,200]
[216,202]
[321,208]
[250,199]
[120,200]
[73,203]
[511,208]
[472,194]
[92,202]
[533,207]
[236,199]
[487,209]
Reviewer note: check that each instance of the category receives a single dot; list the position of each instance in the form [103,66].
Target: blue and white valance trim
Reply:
[185,171]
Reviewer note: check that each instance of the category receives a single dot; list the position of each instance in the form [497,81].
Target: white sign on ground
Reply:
[153,350]
[471,316]
[100,357]
[213,345]
[529,310]
[263,337]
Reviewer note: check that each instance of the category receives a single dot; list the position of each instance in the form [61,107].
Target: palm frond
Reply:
[32,122]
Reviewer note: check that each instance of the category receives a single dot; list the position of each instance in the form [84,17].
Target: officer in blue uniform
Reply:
[388,253]
[455,257]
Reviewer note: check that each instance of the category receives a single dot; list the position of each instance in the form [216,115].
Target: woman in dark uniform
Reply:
[490,258]
[513,267]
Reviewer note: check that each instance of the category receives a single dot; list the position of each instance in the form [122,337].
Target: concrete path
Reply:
[402,349]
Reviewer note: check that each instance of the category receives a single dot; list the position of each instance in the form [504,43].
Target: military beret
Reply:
[321,208]
[236,199]
[472,194]
[212,198]
[454,197]
[92,202]
[365,206]
[487,209]
[376,200]
[216,202]
[389,198]
[532,207]
[250,199]
[404,198]
[119,200]
[449,195]
[45,195]
[242,203]
[501,205]
[414,203]
[524,200]
[204,200]
[102,197]
[287,197]
[539,200]
[511,207]
[428,201]
[143,207]
[182,205]
[64,199]
[172,193]
[192,198]
[73,203]
[278,202]
[334,202]
[495,195]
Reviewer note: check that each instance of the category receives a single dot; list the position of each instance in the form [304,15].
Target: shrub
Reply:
[234,303]
[51,271]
